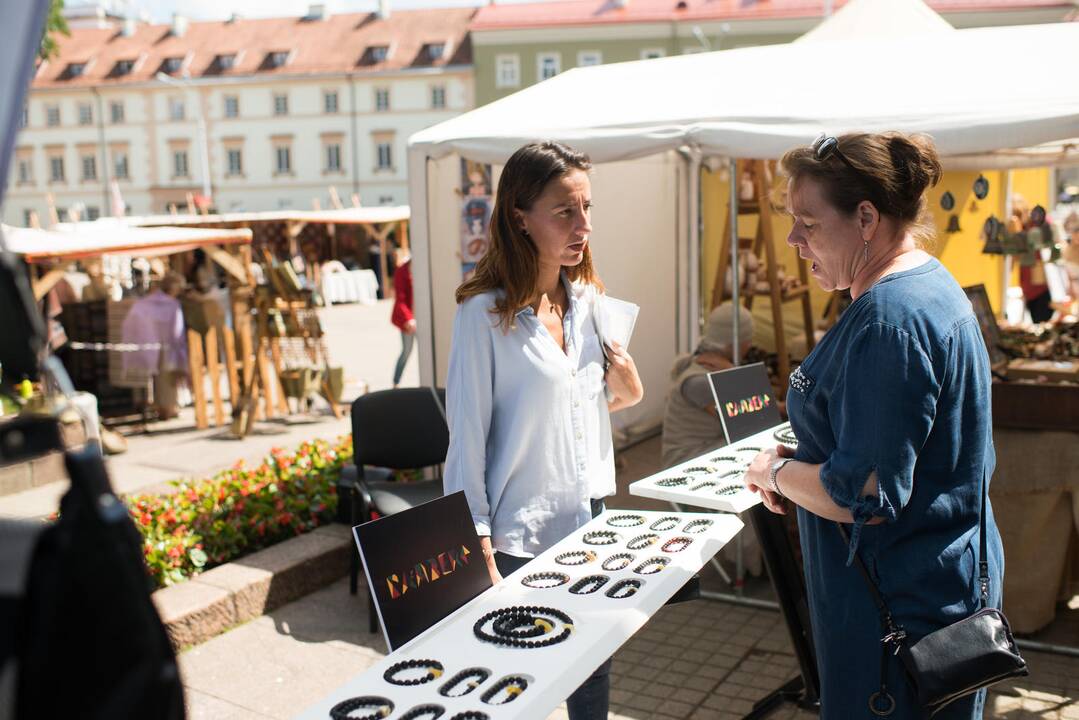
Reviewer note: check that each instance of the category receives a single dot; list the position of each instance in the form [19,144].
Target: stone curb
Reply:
[234,593]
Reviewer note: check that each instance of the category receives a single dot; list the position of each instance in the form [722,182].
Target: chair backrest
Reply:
[400,429]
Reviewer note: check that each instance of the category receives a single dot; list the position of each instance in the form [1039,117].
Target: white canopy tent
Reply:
[989,97]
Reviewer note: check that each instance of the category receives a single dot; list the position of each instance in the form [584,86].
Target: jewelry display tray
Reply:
[686,494]
[600,624]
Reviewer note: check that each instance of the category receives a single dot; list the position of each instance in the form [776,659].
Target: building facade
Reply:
[517,45]
[278,110]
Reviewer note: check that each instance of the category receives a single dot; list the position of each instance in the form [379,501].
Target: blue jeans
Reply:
[592,699]
[407,341]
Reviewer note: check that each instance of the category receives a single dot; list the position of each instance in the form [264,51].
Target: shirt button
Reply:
[576,403]
[579,436]
[573,372]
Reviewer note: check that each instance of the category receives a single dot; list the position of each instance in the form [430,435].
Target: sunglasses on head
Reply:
[826,146]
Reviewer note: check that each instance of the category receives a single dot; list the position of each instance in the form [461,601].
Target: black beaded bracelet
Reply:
[514,685]
[722,458]
[575,557]
[471,715]
[699,470]
[624,589]
[588,584]
[642,541]
[480,674]
[434,670]
[664,523]
[424,712]
[618,561]
[725,490]
[739,472]
[651,566]
[786,435]
[625,520]
[749,448]
[697,526]
[706,485]
[676,544]
[601,537]
[672,481]
[507,626]
[342,711]
[535,580]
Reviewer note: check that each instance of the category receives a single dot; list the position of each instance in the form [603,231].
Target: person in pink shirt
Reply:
[402,316]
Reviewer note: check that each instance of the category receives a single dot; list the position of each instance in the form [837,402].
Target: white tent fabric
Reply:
[975,91]
[75,241]
[865,19]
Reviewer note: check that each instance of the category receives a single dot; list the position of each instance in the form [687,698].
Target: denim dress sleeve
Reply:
[881,413]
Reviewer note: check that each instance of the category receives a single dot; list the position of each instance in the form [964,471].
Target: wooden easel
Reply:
[762,208]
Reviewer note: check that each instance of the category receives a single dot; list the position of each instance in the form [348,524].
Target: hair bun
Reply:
[915,159]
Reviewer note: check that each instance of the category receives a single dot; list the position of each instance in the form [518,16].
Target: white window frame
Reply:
[24,117]
[120,160]
[431,55]
[25,171]
[387,147]
[177,111]
[117,112]
[57,161]
[280,104]
[326,95]
[379,53]
[653,53]
[238,169]
[584,55]
[88,161]
[181,169]
[231,108]
[279,168]
[332,167]
[438,97]
[511,62]
[52,111]
[381,93]
[86,114]
[541,59]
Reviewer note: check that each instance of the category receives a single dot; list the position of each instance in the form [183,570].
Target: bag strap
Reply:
[983,544]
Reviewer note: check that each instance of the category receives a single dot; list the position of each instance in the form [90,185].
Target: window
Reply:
[382,100]
[74,70]
[653,53]
[329,102]
[179,164]
[548,65]
[438,97]
[385,199]
[124,67]
[26,171]
[225,62]
[28,216]
[89,167]
[435,51]
[24,117]
[93,212]
[587,58]
[507,71]
[280,104]
[333,157]
[235,161]
[173,64]
[385,156]
[119,165]
[116,112]
[378,53]
[52,115]
[56,169]
[232,106]
[278,58]
[86,114]
[176,109]
[283,159]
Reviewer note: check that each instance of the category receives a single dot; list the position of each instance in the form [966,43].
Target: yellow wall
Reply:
[960,252]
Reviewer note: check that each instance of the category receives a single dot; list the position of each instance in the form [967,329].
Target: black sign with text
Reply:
[421,565]
[745,401]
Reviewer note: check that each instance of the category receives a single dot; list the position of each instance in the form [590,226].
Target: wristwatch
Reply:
[776,467]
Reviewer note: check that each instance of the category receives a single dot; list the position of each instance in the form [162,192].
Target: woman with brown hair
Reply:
[529,392]
[892,415]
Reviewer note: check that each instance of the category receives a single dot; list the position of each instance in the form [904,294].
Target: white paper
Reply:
[615,320]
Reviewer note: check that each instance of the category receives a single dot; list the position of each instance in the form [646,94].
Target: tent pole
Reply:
[736,350]
[422,273]
[694,265]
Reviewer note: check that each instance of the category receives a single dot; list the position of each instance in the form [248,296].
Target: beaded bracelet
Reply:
[460,677]
[514,685]
[672,481]
[575,557]
[722,458]
[535,580]
[664,523]
[750,448]
[625,520]
[642,541]
[618,561]
[707,484]
[699,470]
[515,618]
[697,526]
[588,584]
[601,537]
[434,670]
[624,589]
[786,435]
[342,710]
[471,715]
[676,544]
[424,712]
[651,566]
[738,472]
[518,626]
[726,490]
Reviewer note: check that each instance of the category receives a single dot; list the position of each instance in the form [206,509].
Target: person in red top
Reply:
[402,316]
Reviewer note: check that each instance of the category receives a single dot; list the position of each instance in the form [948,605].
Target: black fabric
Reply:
[401,429]
[394,497]
[956,660]
[90,643]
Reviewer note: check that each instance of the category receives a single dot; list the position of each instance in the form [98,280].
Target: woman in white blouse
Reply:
[530,392]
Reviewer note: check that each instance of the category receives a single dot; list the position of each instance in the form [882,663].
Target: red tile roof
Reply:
[602,12]
[334,45]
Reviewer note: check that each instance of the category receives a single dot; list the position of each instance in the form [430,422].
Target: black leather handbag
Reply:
[955,661]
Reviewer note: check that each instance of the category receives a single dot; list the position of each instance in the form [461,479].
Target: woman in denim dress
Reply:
[892,415]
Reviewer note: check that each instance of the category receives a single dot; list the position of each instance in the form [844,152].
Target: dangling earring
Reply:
[866,242]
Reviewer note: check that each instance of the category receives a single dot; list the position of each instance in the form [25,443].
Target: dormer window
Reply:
[379,53]
[435,51]
[124,67]
[74,70]
[225,62]
[278,58]
[173,64]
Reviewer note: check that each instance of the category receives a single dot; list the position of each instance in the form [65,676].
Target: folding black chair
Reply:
[402,429]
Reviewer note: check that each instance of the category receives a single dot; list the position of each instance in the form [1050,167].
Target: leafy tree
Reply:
[54,23]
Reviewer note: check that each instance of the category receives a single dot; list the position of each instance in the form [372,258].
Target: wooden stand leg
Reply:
[279,369]
[196,368]
[229,339]
[214,368]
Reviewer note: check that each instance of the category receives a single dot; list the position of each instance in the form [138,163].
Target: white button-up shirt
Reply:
[530,433]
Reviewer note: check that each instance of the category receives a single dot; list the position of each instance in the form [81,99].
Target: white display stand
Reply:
[711,480]
[601,624]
